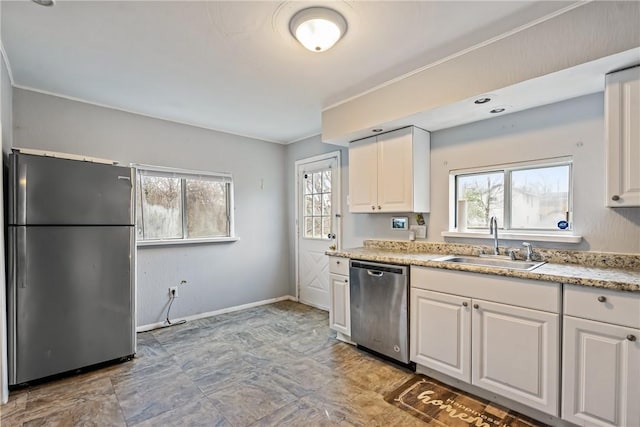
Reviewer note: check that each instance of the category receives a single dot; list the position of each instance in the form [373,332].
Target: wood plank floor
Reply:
[274,365]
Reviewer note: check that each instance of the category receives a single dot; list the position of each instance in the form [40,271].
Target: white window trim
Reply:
[558,236]
[188,173]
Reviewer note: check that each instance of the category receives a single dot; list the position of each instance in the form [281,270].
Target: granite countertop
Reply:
[615,278]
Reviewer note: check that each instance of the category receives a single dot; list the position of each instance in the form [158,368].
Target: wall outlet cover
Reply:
[420,230]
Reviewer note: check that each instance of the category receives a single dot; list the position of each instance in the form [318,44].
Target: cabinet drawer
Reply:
[527,293]
[616,307]
[339,265]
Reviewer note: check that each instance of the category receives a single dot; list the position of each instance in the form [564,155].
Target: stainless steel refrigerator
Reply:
[71,265]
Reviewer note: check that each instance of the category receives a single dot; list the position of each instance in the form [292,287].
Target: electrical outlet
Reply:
[420,230]
[173,292]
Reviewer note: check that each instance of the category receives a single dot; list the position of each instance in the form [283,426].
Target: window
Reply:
[317,204]
[522,197]
[174,205]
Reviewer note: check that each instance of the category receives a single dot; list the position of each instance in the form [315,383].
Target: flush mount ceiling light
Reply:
[318,28]
[376,130]
[47,3]
[498,110]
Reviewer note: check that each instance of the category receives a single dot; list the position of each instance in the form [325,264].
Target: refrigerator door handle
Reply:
[22,194]
[21,256]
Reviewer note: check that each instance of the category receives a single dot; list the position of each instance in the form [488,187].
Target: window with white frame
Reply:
[530,197]
[175,205]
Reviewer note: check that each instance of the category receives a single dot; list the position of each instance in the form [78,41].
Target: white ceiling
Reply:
[233,66]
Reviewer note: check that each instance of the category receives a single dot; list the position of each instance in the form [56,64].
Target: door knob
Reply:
[615,197]
[379,207]
[631,337]
[331,236]
[476,306]
[602,299]
[373,208]
[464,304]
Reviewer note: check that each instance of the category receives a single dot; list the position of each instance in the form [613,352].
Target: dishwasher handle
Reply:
[375,273]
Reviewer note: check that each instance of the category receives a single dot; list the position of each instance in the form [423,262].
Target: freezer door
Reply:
[70,300]
[47,190]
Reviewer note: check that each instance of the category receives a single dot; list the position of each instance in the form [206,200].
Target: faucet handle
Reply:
[529,247]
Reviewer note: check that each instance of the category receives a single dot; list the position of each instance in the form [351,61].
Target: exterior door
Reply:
[318,215]
[601,371]
[516,354]
[441,332]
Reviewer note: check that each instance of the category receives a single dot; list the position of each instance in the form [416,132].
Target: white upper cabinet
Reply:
[390,172]
[622,121]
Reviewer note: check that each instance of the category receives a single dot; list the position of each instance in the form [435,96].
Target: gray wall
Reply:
[6,114]
[570,128]
[219,275]
[6,118]
[265,218]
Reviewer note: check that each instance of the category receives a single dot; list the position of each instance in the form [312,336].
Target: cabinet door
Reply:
[339,311]
[601,374]
[622,119]
[441,332]
[395,171]
[363,176]
[516,354]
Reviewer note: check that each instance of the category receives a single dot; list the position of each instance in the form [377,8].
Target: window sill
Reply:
[185,241]
[556,238]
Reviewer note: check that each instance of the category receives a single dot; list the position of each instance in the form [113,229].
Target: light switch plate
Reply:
[420,230]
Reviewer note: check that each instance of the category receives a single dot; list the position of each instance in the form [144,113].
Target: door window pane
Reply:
[484,194]
[326,181]
[316,209]
[308,205]
[161,206]
[206,205]
[539,197]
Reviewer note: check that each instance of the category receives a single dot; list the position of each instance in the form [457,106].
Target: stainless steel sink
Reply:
[491,262]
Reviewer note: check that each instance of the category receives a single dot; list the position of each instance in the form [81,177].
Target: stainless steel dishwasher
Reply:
[379,311]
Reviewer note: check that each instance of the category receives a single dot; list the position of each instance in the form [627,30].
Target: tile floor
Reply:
[274,365]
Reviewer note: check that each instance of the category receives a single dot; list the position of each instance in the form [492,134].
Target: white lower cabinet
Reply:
[601,361]
[446,320]
[482,334]
[339,307]
[339,313]
[516,353]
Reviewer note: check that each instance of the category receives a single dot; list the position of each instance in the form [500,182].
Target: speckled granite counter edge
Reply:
[554,256]
[427,260]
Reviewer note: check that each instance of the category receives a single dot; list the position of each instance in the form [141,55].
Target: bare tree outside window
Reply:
[206,205]
[484,194]
[317,204]
[171,206]
[161,207]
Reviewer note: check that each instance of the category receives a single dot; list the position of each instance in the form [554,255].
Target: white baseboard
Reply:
[152,326]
